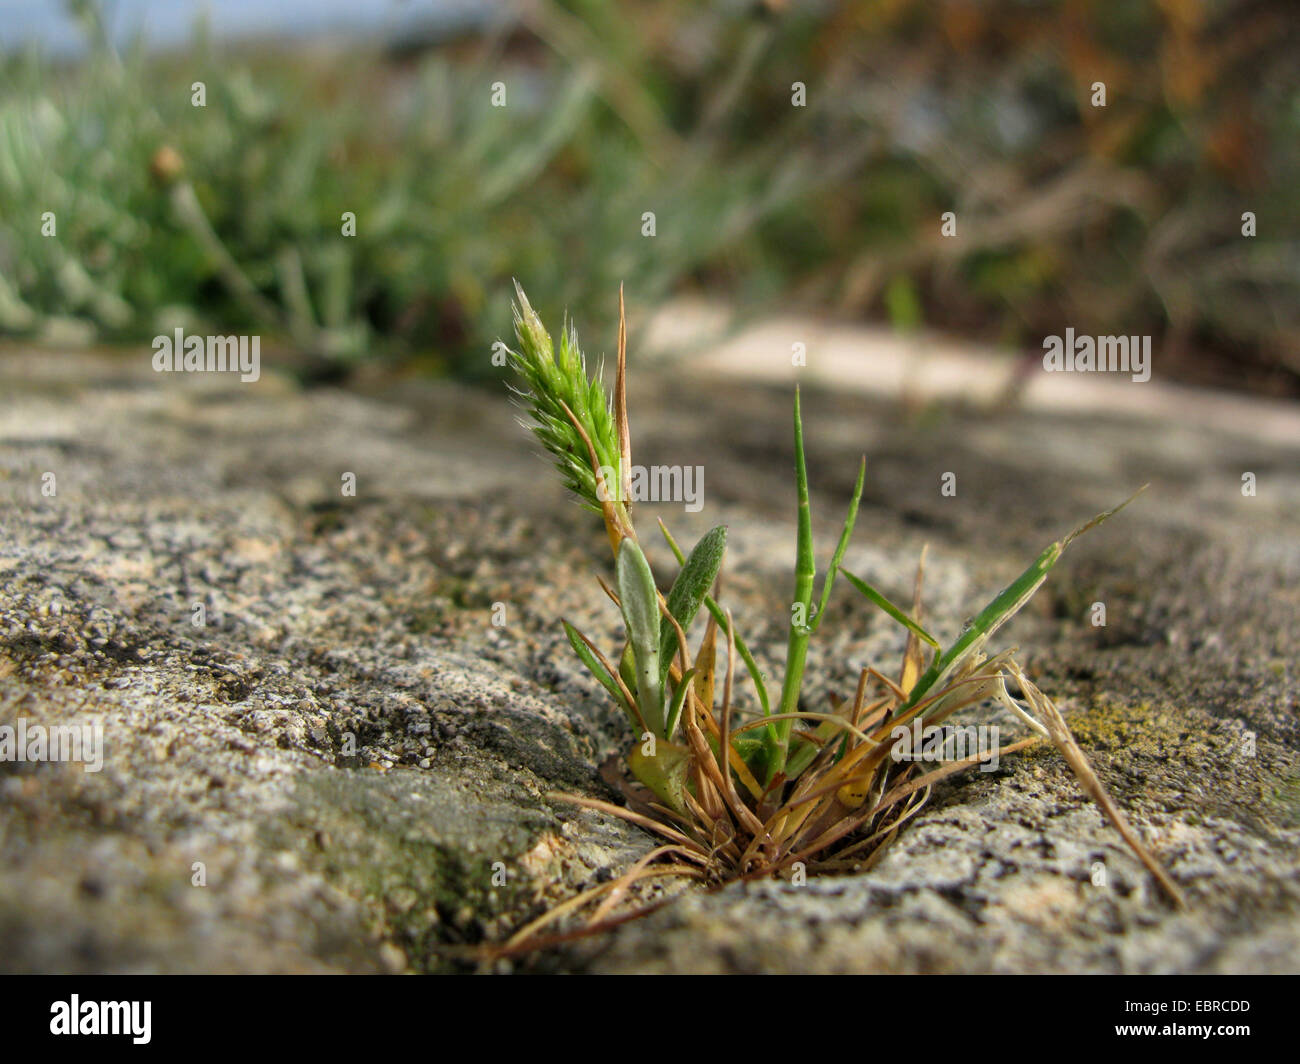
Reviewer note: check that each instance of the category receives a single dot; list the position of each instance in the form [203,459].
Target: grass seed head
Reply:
[564,403]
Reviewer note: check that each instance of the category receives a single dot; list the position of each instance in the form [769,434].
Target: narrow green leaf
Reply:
[679,699]
[842,546]
[805,573]
[690,587]
[598,671]
[893,611]
[1005,605]
[640,602]
[801,756]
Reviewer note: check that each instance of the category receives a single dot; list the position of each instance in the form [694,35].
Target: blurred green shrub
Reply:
[231,215]
[1125,218]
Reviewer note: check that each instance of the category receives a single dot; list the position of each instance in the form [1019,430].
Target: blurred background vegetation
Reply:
[1125,218]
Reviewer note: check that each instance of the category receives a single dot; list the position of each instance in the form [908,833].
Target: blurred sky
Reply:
[168,22]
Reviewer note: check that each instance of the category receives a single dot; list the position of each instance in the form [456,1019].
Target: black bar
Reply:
[611,1018]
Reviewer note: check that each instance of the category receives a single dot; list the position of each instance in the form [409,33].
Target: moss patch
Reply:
[438,862]
[1188,762]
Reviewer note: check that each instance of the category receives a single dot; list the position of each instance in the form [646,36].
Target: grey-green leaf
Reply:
[640,602]
[755,673]
[690,588]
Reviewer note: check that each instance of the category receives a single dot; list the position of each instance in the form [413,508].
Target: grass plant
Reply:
[734,796]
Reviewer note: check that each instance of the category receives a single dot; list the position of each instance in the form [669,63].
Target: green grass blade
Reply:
[598,670]
[1005,605]
[805,574]
[690,587]
[842,546]
[902,618]
[679,699]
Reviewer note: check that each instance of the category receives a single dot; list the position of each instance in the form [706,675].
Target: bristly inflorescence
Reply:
[553,382]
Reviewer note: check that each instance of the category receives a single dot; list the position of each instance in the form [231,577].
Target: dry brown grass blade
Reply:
[790,819]
[629,877]
[909,811]
[705,658]
[702,823]
[783,823]
[817,771]
[623,813]
[832,787]
[712,778]
[705,805]
[856,784]
[523,940]
[823,816]
[805,714]
[831,783]
[718,834]
[709,786]
[899,693]
[613,595]
[951,769]
[683,653]
[875,713]
[914,652]
[859,698]
[841,828]
[981,689]
[985,673]
[738,808]
[724,719]
[534,945]
[857,770]
[746,777]
[1092,785]
[738,765]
